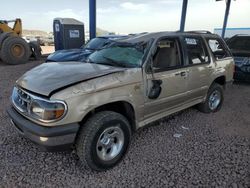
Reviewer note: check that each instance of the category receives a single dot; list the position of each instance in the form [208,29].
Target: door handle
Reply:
[210,67]
[182,73]
[177,74]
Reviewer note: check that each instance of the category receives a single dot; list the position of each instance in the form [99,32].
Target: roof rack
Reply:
[199,31]
[134,34]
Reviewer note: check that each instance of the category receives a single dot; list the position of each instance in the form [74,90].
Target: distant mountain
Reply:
[27,32]
[102,32]
[40,33]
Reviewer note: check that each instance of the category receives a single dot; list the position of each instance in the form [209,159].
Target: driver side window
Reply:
[167,55]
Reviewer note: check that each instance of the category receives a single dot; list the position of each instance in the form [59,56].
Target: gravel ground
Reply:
[189,149]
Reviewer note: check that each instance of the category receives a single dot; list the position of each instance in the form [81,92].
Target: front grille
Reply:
[21,99]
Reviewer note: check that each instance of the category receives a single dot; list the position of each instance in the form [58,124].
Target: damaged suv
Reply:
[95,106]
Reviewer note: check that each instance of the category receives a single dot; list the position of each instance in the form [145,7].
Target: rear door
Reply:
[199,65]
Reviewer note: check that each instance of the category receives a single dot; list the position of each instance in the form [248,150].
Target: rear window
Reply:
[239,43]
[218,49]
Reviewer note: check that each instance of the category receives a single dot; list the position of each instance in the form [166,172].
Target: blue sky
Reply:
[129,16]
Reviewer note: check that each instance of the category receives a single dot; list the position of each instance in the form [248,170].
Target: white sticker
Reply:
[74,33]
[57,27]
[191,41]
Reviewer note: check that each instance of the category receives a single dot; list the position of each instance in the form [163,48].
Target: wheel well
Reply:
[122,107]
[220,80]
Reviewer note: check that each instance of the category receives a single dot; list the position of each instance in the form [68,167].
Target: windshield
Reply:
[124,56]
[240,43]
[96,43]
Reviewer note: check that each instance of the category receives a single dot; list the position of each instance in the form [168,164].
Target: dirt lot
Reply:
[213,150]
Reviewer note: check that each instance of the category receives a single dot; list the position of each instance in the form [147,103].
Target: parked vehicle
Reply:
[14,49]
[240,47]
[96,106]
[46,41]
[82,53]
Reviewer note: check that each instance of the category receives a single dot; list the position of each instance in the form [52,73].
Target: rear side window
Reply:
[218,49]
[197,53]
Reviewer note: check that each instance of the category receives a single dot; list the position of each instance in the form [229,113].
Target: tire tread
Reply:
[88,132]
[204,107]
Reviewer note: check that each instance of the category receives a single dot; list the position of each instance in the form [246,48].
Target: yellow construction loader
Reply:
[13,48]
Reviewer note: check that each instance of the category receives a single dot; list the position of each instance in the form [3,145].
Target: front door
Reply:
[169,71]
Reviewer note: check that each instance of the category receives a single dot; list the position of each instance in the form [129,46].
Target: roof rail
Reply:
[134,34]
[199,31]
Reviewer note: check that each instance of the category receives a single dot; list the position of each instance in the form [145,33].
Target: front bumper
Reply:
[57,138]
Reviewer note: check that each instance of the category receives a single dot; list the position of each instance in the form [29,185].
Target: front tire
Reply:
[15,50]
[214,99]
[103,140]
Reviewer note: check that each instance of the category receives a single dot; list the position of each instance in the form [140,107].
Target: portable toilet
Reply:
[68,33]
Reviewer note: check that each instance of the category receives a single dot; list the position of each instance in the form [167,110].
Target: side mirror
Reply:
[155,90]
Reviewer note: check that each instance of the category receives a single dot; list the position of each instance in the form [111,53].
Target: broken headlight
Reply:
[38,108]
[47,111]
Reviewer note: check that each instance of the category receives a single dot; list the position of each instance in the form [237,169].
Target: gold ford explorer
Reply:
[95,106]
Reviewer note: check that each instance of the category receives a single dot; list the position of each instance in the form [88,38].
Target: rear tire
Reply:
[103,140]
[15,50]
[35,50]
[214,99]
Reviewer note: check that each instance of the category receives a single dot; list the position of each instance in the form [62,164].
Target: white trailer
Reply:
[233,31]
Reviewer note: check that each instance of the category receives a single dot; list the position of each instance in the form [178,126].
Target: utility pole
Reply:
[228,4]
[92,19]
[183,15]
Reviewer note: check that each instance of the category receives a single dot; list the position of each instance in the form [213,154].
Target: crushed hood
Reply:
[49,77]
